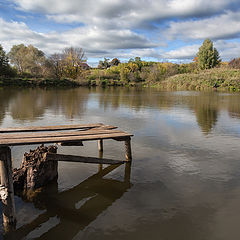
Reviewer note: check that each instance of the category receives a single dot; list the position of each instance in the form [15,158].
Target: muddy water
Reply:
[184,181]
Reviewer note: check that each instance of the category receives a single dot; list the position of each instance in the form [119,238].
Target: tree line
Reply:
[29,61]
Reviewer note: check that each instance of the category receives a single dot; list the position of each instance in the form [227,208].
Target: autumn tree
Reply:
[208,56]
[72,60]
[27,59]
[115,62]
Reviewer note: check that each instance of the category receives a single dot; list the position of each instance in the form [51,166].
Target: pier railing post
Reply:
[128,149]
[8,205]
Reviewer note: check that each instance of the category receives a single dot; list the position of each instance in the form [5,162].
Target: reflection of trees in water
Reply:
[206,106]
[234,106]
[133,98]
[5,97]
[206,118]
[75,208]
[30,104]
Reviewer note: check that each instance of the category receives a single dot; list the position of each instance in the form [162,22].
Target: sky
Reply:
[155,30]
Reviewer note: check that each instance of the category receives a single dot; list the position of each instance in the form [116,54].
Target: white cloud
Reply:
[92,39]
[186,52]
[122,13]
[109,27]
[223,26]
[227,51]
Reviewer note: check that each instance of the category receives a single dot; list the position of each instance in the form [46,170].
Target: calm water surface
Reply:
[184,182]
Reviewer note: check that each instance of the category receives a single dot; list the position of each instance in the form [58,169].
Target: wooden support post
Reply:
[100,145]
[100,166]
[128,149]
[8,205]
[127,175]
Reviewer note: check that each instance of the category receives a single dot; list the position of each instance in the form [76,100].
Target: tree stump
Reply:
[35,171]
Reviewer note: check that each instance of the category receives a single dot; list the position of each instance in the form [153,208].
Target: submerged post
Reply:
[128,149]
[100,145]
[8,205]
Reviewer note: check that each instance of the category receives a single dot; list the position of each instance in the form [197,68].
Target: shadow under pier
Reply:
[75,208]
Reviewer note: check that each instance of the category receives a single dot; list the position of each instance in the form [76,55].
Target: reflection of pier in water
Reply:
[94,196]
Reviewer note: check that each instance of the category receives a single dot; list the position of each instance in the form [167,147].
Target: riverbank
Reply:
[225,78]
[37,82]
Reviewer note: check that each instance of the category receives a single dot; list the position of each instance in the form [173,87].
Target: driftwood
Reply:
[35,171]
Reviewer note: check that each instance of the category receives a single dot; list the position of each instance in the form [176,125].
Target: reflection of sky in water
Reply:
[185,171]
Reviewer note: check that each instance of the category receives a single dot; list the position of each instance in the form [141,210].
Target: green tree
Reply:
[5,69]
[208,56]
[104,64]
[4,66]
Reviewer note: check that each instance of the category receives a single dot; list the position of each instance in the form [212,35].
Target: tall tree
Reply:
[56,65]
[27,58]
[4,66]
[73,59]
[208,56]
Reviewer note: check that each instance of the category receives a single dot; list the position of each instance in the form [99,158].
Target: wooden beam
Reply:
[56,134]
[73,158]
[8,205]
[27,141]
[50,128]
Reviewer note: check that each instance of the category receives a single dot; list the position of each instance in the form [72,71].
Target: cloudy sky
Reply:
[159,30]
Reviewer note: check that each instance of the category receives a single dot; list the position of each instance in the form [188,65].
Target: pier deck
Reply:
[66,135]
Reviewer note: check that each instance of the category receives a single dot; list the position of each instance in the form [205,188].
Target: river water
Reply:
[184,181]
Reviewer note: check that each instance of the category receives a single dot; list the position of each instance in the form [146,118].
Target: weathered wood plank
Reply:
[51,128]
[73,158]
[56,134]
[27,141]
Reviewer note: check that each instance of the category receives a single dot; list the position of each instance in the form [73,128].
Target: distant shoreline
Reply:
[226,79]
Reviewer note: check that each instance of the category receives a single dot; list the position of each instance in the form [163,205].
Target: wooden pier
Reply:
[65,135]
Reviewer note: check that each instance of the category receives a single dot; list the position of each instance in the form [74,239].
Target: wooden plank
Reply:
[27,141]
[55,134]
[73,158]
[50,128]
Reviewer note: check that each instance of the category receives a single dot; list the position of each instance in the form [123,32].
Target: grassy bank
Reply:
[37,82]
[226,79]
[42,82]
